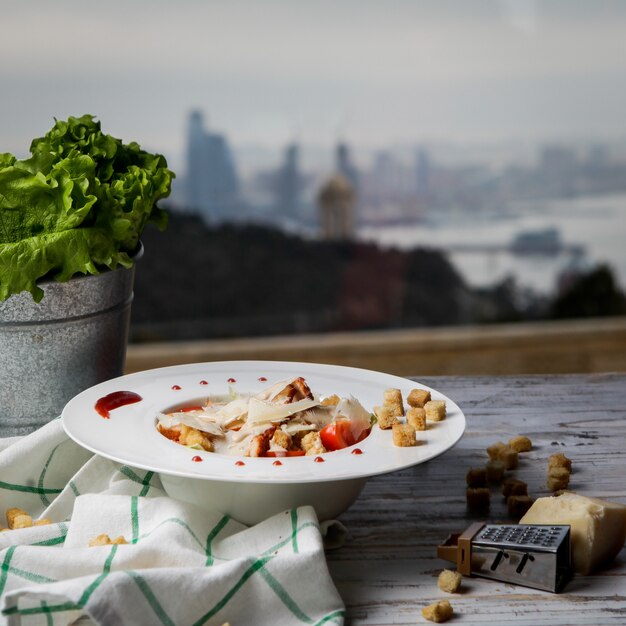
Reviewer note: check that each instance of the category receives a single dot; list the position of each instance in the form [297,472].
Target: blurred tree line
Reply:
[197,282]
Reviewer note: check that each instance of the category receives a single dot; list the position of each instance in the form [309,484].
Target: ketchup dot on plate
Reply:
[176,387]
[357,451]
[276,463]
[196,459]
[203,382]
[232,380]
[318,459]
[115,400]
[262,379]
[239,463]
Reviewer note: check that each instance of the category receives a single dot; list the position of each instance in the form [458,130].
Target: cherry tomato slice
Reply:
[341,434]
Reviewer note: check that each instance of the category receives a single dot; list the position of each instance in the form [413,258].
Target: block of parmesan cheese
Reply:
[598,528]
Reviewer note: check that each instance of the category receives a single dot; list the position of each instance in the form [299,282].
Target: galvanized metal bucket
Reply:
[74,338]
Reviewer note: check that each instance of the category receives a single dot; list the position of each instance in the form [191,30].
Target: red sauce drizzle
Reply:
[262,379]
[318,459]
[357,451]
[239,463]
[276,463]
[196,459]
[115,400]
[176,387]
[203,382]
[232,380]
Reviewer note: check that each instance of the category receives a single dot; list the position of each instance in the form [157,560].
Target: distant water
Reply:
[598,223]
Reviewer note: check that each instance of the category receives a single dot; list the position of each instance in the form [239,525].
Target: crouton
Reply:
[22,521]
[416,416]
[435,410]
[560,460]
[501,451]
[385,416]
[476,477]
[311,443]
[477,499]
[518,505]
[404,435]
[194,437]
[119,541]
[558,478]
[16,515]
[438,612]
[509,457]
[496,449]
[393,399]
[418,398]
[449,581]
[520,443]
[100,540]
[514,487]
[330,400]
[495,471]
[105,540]
[281,439]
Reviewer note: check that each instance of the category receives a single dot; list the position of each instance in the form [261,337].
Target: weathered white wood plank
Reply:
[387,571]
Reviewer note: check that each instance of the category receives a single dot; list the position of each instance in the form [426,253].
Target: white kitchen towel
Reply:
[181,565]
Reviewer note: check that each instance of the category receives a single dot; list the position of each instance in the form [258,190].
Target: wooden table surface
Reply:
[387,571]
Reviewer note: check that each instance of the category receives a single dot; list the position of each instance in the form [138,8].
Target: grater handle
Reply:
[457,548]
[448,549]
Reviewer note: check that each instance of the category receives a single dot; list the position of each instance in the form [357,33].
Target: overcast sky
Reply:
[267,71]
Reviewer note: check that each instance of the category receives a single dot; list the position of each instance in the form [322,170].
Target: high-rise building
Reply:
[212,182]
[289,183]
[390,178]
[196,162]
[345,167]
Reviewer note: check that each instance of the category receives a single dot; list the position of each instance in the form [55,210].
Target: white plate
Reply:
[130,435]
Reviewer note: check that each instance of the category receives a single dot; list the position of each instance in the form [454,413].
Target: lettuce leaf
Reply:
[78,205]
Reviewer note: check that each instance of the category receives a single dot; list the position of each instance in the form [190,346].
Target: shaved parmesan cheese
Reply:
[320,416]
[352,409]
[192,420]
[262,411]
[231,412]
[292,427]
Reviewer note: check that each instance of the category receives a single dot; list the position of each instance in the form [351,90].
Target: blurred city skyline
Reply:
[542,217]
[268,74]
[409,184]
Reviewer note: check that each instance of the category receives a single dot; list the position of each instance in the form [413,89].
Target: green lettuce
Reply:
[78,205]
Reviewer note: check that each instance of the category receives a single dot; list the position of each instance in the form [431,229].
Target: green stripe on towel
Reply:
[151,599]
[286,599]
[134,518]
[27,488]
[42,476]
[256,565]
[209,540]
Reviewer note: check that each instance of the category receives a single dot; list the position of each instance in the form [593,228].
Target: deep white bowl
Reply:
[250,503]
[260,487]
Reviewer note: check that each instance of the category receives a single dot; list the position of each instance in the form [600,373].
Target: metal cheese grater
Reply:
[531,555]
